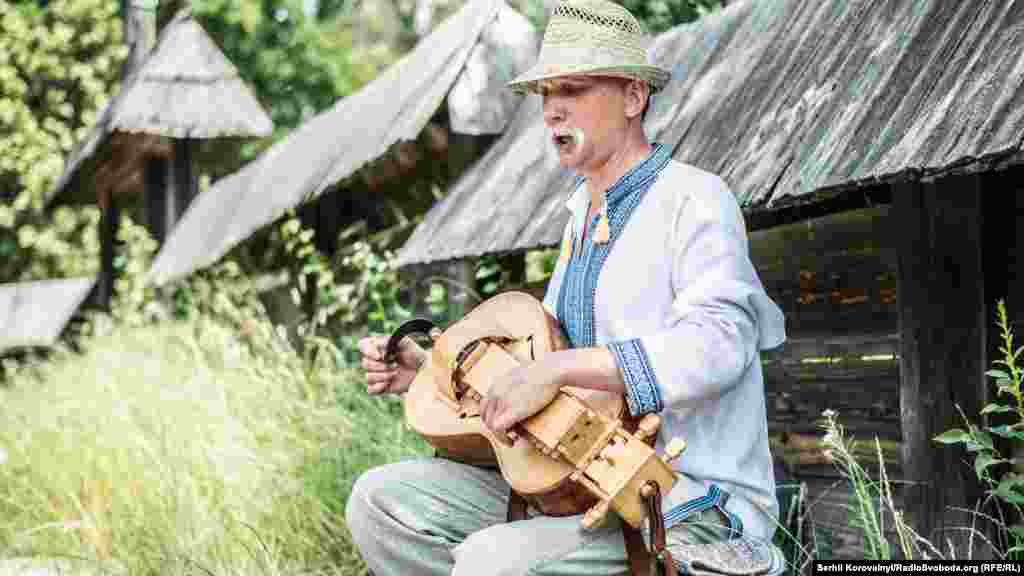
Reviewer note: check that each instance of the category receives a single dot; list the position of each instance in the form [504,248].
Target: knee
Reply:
[364,499]
[489,552]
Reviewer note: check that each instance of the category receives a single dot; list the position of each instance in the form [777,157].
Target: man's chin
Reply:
[568,159]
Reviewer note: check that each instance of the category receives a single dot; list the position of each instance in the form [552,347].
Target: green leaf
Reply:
[983,461]
[1006,489]
[984,438]
[1016,530]
[997,373]
[996,408]
[954,436]
[1007,431]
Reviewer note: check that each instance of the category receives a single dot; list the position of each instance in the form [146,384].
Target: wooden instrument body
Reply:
[572,455]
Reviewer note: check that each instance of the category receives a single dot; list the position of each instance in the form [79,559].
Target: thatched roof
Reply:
[332,146]
[33,314]
[790,101]
[185,88]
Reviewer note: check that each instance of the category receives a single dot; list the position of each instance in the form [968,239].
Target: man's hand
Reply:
[520,393]
[393,378]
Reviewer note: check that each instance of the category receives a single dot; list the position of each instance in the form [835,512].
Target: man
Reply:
[657,296]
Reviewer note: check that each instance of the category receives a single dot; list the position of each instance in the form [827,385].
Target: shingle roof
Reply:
[787,100]
[35,313]
[185,87]
[329,147]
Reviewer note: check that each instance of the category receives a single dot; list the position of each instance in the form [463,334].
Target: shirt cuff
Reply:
[642,393]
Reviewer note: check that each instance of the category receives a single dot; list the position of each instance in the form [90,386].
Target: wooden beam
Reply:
[110,220]
[156,175]
[1016,265]
[942,345]
[461,288]
[184,181]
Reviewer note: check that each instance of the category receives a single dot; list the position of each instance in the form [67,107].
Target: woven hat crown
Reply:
[592,37]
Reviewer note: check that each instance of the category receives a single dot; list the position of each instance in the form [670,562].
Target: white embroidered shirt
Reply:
[673,295]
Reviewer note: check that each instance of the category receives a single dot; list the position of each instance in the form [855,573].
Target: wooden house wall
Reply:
[835,279]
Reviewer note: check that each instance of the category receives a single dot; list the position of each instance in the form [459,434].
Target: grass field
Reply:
[184,448]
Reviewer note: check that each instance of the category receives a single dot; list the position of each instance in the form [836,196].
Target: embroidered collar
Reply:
[631,182]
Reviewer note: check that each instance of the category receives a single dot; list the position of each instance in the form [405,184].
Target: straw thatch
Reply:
[185,88]
[332,146]
[789,101]
[33,314]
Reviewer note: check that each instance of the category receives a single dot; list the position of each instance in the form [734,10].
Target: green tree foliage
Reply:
[59,63]
[656,16]
[660,15]
[57,67]
[298,65]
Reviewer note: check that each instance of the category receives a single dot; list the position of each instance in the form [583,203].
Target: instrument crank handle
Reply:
[648,426]
[673,450]
[414,326]
[515,432]
[596,515]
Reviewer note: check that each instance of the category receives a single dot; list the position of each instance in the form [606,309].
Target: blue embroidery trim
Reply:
[579,282]
[735,524]
[715,497]
[642,393]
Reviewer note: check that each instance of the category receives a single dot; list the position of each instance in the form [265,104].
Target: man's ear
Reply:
[636,98]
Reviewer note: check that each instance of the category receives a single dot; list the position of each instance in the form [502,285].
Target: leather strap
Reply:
[636,551]
[516,507]
[664,562]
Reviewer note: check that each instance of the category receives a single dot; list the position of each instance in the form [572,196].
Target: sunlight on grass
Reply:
[183,448]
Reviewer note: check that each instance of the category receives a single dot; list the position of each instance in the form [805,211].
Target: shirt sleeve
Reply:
[721,314]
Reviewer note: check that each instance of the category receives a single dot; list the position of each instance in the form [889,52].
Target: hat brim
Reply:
[653,75]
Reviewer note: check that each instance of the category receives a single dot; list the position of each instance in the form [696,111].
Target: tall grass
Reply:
[189,448]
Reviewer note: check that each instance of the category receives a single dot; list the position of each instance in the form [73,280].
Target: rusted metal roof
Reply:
[185,88]
[333,145]
[787,100]
[33,314]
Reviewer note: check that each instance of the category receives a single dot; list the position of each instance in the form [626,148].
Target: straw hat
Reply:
[592,38]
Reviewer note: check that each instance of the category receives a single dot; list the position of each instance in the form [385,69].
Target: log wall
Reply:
[835,279]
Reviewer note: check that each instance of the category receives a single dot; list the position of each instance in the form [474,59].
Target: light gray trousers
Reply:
[435,517]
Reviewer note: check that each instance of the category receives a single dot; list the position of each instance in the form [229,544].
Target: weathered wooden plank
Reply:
[855,231]
[1015,290]
[798,346]
[940,263]
[844,320]
[856,375]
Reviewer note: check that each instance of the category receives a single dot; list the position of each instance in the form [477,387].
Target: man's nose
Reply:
[554,111]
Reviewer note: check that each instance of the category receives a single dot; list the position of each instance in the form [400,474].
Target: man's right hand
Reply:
[393,378]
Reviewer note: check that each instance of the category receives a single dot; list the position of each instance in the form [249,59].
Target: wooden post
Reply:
[1015,263]
[185,185]
[462,274]
[156,175]
[110,221]
[942,347]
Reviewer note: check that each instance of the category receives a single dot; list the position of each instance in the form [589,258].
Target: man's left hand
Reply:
[521,393]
